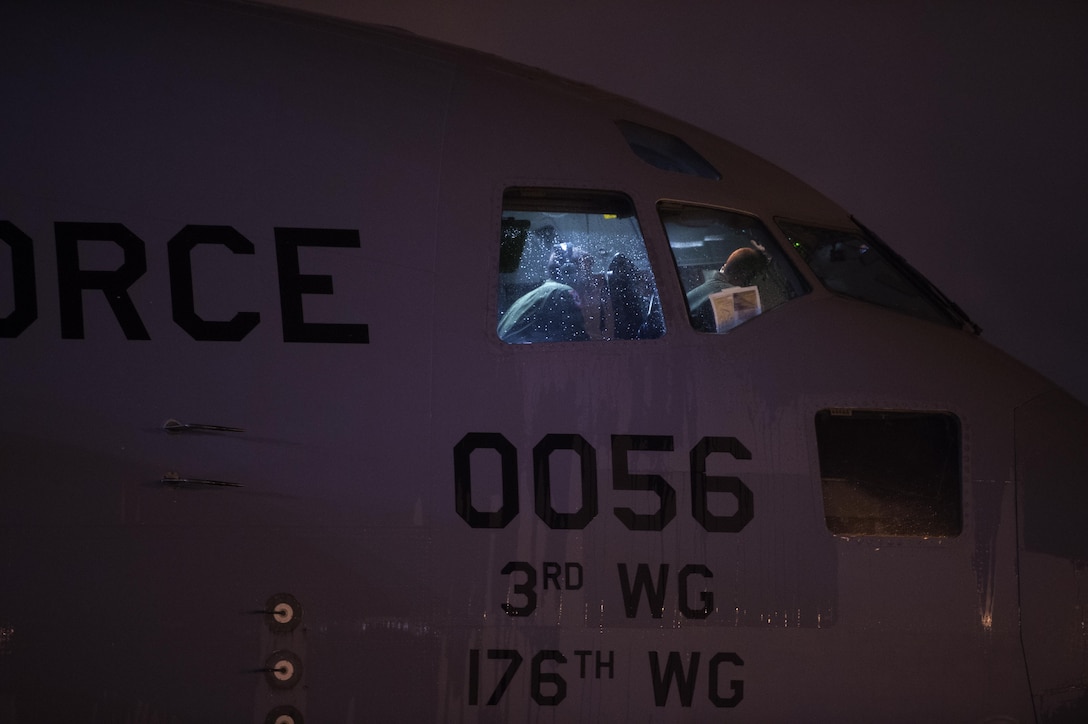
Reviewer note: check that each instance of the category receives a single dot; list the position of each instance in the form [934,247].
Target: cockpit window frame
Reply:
[620,281]
[936,307]
[779,276]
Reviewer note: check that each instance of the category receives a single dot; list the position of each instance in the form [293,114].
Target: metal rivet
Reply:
[283,613]
[283,669]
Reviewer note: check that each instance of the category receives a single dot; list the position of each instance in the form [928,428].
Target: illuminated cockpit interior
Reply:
[573,268]
[730,268]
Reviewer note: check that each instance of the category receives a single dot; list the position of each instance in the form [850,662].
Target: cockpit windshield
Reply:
[855,263]
[730,267]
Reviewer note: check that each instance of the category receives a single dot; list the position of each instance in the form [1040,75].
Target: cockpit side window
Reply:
[573,268]
[729,266]
[890,473]
[666,151]
[854,263]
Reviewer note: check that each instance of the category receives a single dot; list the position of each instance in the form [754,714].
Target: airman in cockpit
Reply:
[739,270]
[553,311]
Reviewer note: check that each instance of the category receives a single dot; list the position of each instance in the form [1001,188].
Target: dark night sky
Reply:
[956,130]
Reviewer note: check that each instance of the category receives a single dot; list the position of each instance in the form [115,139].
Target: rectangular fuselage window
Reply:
[890,473]
[573,268]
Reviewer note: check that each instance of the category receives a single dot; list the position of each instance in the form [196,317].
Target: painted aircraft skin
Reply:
[264,456]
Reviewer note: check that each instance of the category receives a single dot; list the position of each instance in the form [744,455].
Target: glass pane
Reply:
[890,473]
[857,265]
[729,266]
[666,151]
[573,268]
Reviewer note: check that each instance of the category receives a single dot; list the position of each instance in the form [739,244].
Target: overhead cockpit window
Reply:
[573,268]
[666,151]
[729,266]
[856,264]
[890,473]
